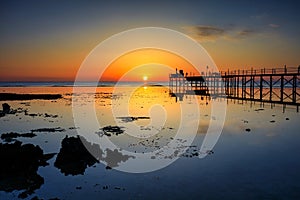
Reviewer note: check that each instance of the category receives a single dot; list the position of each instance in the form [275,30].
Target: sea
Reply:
[136,141]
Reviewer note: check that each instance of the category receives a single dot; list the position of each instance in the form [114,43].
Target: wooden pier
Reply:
[280,85]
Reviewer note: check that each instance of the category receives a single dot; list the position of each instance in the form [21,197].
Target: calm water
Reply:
[256,156]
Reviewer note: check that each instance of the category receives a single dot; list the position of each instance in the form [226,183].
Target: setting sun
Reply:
[145,78]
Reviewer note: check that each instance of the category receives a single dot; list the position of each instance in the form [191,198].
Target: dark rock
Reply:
[35,198]
[19,166]
[130,119]
[209,152]
[5,108]
[112,130]
[287,118]
[23,195]
[195,154]
[57,129]
[108,167]
[109,130]
[73,128]
[248,129]
[33,114]
[11,135]
[50,116]
[14,96]
[73,157]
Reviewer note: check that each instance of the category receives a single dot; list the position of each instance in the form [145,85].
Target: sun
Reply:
[145,78]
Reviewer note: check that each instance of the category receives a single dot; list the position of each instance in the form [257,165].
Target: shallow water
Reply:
[256,156]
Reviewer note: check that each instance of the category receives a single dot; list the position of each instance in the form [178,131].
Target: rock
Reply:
[105,187]
[35,198]
[11,135]
[209,152]
[57,129]
[5,108]
[108,167]
[130,119]
[19,166]
[109,130]
[248,129]
[73,157]
[14,96]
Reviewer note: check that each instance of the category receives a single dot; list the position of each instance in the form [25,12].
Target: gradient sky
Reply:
[48,40]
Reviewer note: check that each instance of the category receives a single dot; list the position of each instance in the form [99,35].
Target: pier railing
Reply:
[252,71]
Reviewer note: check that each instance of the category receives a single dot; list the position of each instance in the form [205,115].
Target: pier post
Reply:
[294,88]
[281,87]
[238,84]
[261,87]
[271,85]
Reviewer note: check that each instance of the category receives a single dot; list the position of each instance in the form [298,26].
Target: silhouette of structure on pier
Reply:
[281,85]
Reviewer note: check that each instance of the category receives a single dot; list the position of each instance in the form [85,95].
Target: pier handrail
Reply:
[252,71]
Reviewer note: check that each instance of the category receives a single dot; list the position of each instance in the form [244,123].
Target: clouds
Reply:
[205,33]
[274,25]
[208,31]
[246,33]
[213,33]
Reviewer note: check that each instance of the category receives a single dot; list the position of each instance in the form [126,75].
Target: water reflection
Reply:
[77,154]
[263,138]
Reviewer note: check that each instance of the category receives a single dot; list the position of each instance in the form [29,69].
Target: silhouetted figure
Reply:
[285,69]
[181,72]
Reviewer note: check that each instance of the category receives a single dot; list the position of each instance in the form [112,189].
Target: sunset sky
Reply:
[48,40]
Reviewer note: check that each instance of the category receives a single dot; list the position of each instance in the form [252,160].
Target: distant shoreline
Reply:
[79,84]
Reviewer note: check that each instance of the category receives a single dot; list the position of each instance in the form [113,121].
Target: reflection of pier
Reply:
[265,85]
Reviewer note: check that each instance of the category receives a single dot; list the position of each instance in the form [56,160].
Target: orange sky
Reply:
[146,62]
[46,41]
